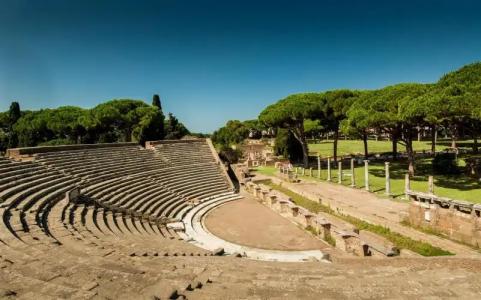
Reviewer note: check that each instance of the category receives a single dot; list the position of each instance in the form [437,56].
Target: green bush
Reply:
[56,142]
[287,146]
[445,163]
[230,155]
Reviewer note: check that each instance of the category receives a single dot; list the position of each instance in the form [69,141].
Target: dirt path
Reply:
[368,207]
[247,222]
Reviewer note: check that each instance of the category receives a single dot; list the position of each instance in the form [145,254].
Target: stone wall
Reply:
[458,220]
[17,153]
[152,144]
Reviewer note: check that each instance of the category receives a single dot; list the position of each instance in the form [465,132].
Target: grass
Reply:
[329,239]
[458,187]
[311,230]
[346,147]
[400,241]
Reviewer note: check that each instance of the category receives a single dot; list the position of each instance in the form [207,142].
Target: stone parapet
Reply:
[18,153]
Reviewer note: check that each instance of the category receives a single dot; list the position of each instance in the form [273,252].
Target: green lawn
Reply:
[346,147]
[455,187]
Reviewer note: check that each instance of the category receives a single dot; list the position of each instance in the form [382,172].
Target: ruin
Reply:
[125,221]
[458,220]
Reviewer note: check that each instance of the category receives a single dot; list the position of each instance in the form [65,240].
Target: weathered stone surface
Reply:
[5,293]
[218,252]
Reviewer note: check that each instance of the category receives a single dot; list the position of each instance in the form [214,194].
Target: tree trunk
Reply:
[394,146]
[298,132]
[364,139]
[336,138]
[410,152]
[433,139]
[408,137]
[453,136]
[305,154]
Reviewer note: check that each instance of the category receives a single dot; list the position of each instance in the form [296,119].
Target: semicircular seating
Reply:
[127,193]
[117,224]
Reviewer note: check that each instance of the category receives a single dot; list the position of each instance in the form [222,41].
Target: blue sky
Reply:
[212,61]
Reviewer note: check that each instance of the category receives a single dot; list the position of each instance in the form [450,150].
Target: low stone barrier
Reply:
[326,227]
[457,219]
[18,153]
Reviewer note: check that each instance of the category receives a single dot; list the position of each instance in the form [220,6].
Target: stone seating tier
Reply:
[125,191]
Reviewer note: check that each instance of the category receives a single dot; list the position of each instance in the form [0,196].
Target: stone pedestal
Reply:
[264,195]
[295,211]
[272,200]
[325,231]
[309,219]
[257,192]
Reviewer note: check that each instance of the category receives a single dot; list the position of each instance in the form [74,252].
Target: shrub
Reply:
[230,155]
[56,142]
[473,167]
[287,146]
[445,163]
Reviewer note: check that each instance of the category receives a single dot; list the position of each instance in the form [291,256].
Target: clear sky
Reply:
[212,61]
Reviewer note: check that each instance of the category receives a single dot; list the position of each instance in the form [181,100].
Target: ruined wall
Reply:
[458,220]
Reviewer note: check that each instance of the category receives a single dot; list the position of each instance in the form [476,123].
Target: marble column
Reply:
[431,185]
[388,179]
[353,176]
[328,168]
[339,172]
[407,184]
[319,166]
[366,174]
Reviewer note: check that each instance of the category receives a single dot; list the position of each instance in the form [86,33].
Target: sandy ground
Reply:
[247,222]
